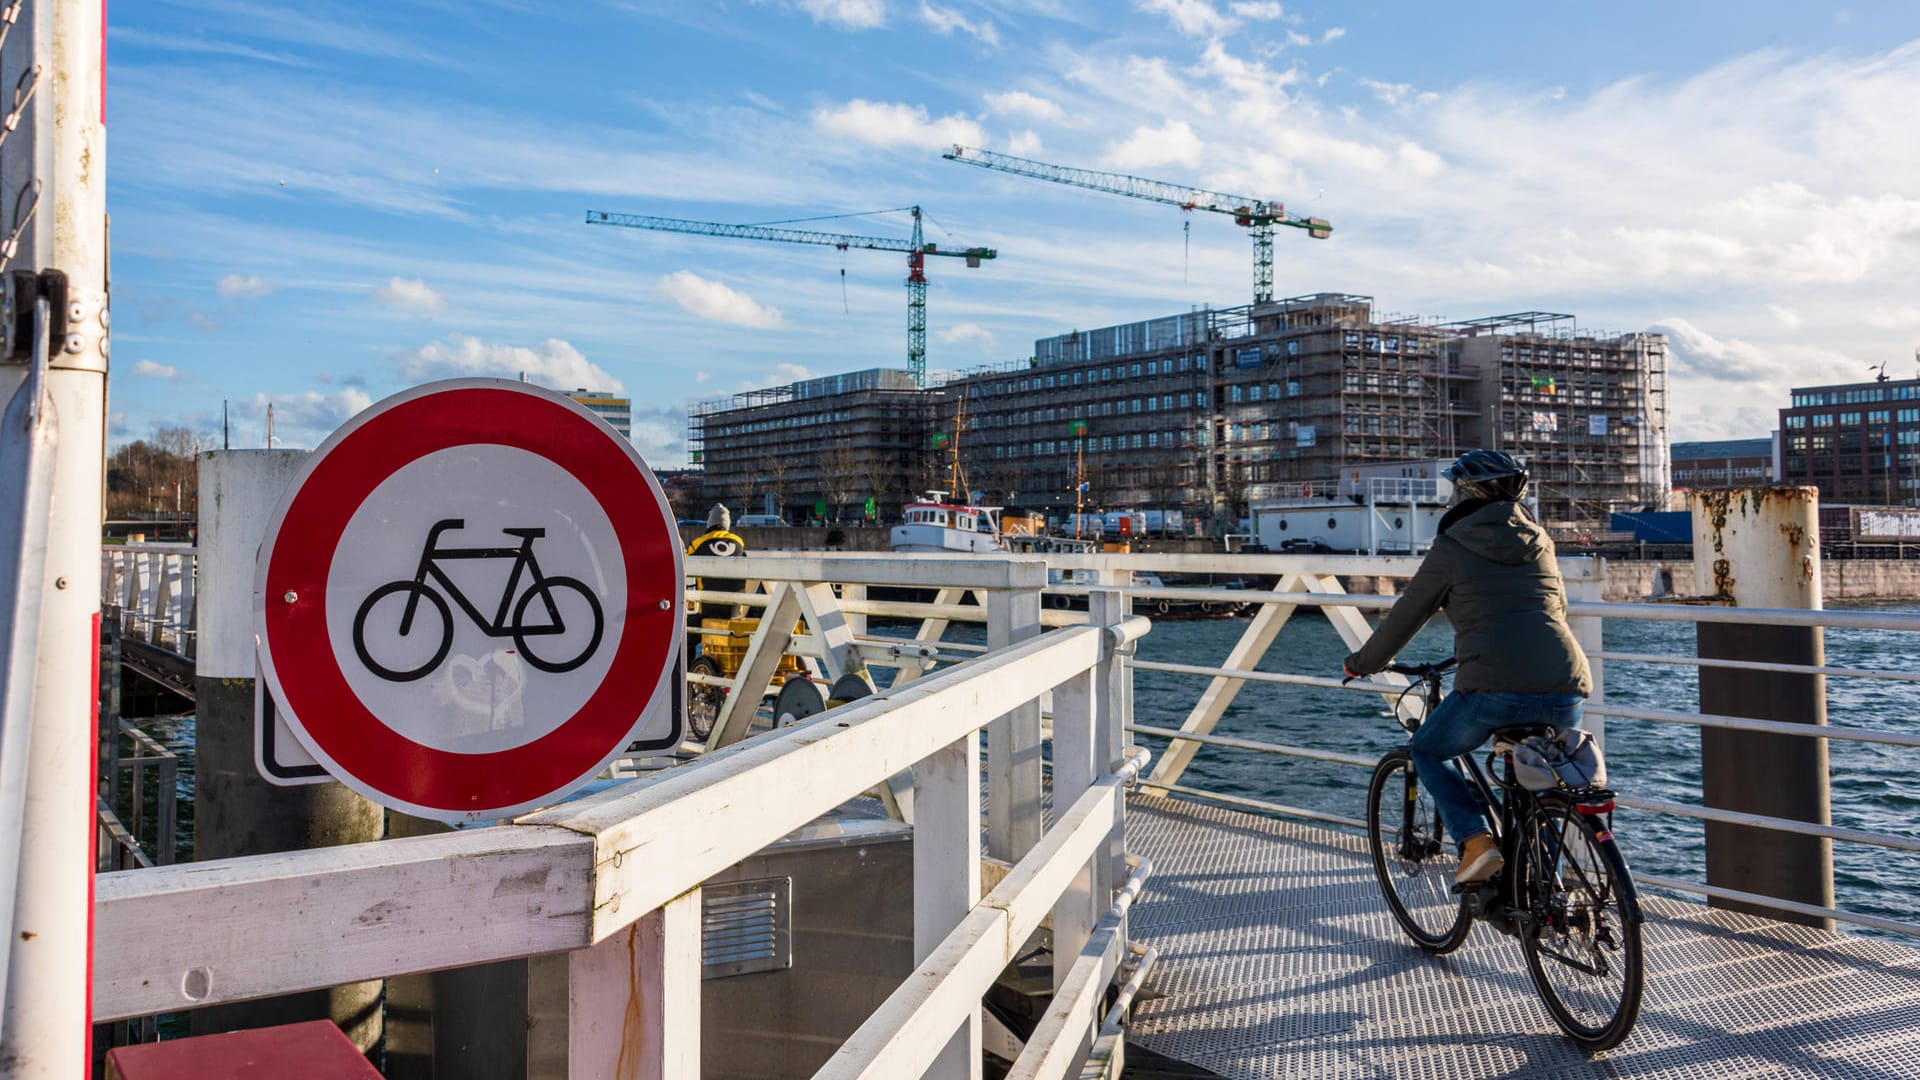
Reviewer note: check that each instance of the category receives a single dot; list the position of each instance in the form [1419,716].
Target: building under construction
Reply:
[815,449]
[1210,411]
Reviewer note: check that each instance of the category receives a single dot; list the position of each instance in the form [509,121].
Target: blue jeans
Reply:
[1461,723]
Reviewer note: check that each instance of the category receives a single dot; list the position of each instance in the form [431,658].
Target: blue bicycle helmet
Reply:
[1488,474]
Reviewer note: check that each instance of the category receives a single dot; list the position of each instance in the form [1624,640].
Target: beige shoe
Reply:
[1480,860]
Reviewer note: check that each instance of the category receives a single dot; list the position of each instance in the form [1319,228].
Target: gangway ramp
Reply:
[1278,958]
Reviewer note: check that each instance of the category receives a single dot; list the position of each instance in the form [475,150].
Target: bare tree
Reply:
[1233,492]
[840,469]
[1163,483]
[774,467]
[877,470]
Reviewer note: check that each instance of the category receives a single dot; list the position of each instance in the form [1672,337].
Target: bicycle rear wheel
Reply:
[1583,949]
[1411,857]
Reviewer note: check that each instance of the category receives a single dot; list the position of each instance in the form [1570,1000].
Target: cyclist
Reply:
[1492,568]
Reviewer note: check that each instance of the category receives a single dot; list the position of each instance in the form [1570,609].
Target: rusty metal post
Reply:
[1757,548]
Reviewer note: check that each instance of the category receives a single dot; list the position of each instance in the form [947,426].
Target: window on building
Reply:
[1153,439]
[1253,392]
[1234,394]
[1186,400]
[1822,419]
[1136,369]
[1849,419]
[1153,367]
[1878,416]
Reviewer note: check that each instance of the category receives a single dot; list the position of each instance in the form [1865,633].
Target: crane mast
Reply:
[1259,215]
[916,249]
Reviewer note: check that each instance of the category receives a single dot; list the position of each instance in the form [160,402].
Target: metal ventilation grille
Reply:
[746,926]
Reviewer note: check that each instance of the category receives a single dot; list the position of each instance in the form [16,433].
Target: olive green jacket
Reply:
[1493,570]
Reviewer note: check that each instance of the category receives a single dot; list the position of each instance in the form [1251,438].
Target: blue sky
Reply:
[319,205]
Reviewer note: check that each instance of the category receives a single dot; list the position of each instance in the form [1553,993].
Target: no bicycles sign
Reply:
[470,601]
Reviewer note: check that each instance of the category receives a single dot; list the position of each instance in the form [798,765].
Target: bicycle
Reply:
[549,590]
[1565,891]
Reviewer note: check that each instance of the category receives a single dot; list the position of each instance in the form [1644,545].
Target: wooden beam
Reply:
[633,1001]
[180,937]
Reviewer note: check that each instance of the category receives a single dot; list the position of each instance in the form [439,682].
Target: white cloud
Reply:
[1172,143]
[947,20]
[1788,317]
[410,294]
[1021,103]
[231,286]
[1333,34]
[960,333]
[891,125]
[1398,93]
[305,418]
[553,363]
[1895,318]
[1023,143]
[1261,10]
[148,369]
[847,14]
[715,301]
[1194,18]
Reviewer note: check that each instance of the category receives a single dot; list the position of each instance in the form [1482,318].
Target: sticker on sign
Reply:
[471,600]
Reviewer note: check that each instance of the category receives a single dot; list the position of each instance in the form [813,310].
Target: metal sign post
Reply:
[53,249]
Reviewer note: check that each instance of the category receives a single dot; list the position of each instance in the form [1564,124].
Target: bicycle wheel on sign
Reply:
[567,624]
[397,644]
[1584,950]
[1412,859]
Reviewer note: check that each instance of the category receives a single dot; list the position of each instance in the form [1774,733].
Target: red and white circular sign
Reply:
[470,599]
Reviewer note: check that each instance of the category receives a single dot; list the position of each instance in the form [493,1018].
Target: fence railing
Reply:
[154,586]
[613,880]
[1313,581]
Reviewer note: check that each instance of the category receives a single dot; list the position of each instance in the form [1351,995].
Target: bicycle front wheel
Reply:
[1411,857]
[568,624]
[1583,948]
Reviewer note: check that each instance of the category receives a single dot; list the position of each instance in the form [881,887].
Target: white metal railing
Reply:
[616,876]
[153,585]
[1309,582]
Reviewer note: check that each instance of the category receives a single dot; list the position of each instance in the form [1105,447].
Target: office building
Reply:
[1856,442]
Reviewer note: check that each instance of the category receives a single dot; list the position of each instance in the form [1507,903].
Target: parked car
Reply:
[760,521]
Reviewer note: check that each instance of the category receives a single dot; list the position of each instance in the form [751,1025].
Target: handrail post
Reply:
[946,873]
[1013,741]
[1586,582]
[633,1000]
[1075,764]
[1113,711]
[1758,547]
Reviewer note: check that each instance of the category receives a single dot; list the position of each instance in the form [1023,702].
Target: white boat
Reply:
[936,525]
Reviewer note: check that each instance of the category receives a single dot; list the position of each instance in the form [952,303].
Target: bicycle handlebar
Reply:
[1424,671]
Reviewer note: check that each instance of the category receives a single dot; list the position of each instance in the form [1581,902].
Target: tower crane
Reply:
[1260,215]
[917,249]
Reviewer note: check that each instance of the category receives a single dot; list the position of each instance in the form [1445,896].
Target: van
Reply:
[760,521]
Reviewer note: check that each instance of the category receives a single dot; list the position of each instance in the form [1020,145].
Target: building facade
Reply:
[1724,463]
[1856,442]
[616,411]
[816,449]
[1210,411]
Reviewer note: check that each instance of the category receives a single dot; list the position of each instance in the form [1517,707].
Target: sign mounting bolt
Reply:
[289,596]
[666,605]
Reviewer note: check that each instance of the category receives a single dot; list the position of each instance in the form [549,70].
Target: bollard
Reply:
[236,812]
[1756,548]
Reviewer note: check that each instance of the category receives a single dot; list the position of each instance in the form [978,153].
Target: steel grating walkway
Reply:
[1278,958]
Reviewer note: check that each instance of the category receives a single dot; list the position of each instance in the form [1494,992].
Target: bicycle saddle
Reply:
[526,533]
[1517,732]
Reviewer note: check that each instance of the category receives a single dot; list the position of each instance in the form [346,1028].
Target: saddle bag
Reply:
[1561,761]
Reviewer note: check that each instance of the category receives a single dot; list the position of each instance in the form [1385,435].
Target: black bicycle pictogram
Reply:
[551,592]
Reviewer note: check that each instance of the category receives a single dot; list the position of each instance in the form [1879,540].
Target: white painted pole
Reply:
[633,1000]
[1586,583]
[54,162]
[946,874]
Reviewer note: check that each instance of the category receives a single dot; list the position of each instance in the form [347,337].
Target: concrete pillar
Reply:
[235,811]
[1757,548]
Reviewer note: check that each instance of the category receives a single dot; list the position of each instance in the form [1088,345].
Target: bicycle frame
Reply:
[524,560]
